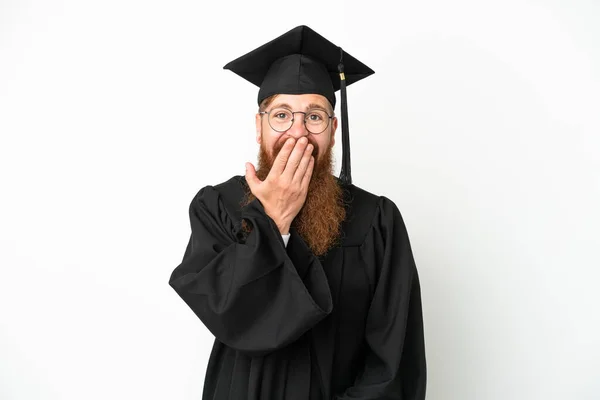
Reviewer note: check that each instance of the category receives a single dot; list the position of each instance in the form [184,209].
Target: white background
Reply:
[481,123]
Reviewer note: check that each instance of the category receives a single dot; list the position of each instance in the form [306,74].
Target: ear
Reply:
[258,128]
[334,125]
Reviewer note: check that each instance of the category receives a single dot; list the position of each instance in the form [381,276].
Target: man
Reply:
[307,282]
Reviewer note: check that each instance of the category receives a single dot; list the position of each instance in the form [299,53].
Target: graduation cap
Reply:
[303,62]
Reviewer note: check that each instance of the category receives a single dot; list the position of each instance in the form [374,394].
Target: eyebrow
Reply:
[311,106]
[318,106]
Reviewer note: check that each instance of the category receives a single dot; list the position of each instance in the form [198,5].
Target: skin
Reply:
[284,190]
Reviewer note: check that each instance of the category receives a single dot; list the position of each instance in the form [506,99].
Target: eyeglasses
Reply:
[282,119]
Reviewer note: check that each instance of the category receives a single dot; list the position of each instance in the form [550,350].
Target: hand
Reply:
[284,190]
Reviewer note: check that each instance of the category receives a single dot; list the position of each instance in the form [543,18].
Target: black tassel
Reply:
[345,174]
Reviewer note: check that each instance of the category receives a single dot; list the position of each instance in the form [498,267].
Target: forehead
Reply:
[302,101]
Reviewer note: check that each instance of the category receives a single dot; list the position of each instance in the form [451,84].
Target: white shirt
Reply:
[285,239]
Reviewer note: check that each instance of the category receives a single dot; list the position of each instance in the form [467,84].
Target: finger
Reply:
[295,158]
[308,174]
[302,167]
[251,177]
[282,158]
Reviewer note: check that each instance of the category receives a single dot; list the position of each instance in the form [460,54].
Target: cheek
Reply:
[267,137]
[322,144]
[272,143]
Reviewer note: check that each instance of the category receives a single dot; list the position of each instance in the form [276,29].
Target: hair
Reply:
[319,220]
[266,102]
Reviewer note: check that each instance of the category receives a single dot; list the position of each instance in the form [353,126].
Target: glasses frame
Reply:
[268,113]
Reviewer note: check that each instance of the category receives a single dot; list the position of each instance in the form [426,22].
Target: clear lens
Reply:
[281,119]
[316,121]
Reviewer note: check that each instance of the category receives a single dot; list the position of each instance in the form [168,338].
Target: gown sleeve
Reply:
[395,366]
[243,286]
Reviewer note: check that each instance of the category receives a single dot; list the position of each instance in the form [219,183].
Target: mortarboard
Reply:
[303,62]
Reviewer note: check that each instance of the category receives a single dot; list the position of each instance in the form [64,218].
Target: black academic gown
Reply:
[290,325]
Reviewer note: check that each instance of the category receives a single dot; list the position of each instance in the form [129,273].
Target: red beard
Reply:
[319,220]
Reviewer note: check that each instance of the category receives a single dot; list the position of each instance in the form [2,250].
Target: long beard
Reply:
[319,220]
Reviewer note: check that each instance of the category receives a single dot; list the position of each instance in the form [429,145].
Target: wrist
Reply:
[282,223]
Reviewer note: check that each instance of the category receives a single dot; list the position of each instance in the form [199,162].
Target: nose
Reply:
[298,128]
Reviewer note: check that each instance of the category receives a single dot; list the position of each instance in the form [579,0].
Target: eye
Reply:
[315,117]
[281,115]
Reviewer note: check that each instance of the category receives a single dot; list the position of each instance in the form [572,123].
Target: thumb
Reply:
[251,177]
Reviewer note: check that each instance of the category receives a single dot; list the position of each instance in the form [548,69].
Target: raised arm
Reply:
[244,286]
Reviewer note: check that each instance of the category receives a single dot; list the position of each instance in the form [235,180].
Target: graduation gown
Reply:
[290,325]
